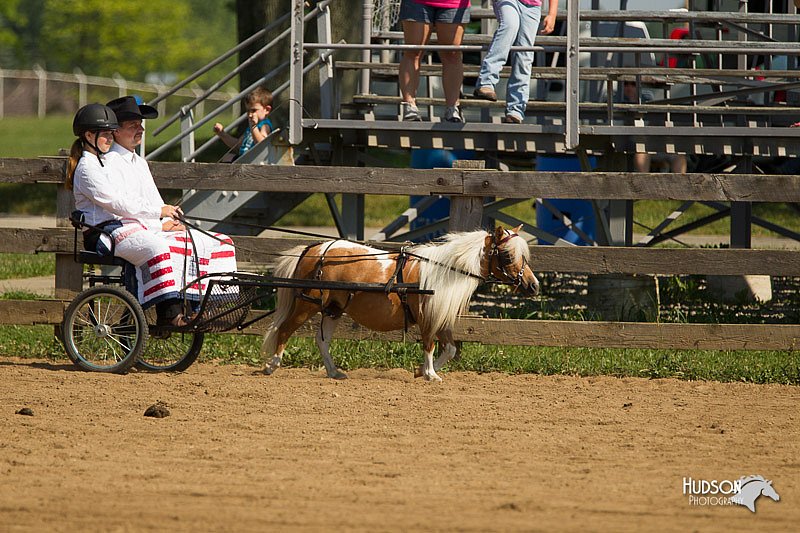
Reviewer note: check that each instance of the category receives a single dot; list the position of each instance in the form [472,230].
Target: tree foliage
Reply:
[103,38]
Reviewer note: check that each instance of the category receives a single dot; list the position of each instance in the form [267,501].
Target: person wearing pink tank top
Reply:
[419,17]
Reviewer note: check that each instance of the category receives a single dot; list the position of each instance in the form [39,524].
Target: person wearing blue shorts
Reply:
[419,17]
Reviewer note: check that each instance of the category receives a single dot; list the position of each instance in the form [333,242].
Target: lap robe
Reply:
[167,261]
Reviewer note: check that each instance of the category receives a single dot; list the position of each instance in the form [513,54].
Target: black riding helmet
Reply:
[94,117]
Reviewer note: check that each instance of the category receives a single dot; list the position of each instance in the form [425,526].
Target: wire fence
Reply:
[38,92]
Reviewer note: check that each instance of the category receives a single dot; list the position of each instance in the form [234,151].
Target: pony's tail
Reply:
[285,300]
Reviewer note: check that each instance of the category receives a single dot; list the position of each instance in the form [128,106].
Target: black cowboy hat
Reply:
[126,108]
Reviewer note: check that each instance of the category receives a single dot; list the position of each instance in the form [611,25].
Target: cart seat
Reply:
[93,258]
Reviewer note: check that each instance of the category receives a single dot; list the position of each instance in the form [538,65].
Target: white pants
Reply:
[167,262]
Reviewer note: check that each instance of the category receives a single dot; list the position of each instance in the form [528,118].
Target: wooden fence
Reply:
[465,184]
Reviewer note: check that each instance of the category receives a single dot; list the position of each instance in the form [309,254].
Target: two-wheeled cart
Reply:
[105,329]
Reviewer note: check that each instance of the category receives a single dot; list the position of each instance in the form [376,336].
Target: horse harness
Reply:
[396,277]
[495,254]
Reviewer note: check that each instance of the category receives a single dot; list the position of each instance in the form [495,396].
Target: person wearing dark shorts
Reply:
[419,17]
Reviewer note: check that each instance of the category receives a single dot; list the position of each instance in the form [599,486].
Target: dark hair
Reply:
[259,95]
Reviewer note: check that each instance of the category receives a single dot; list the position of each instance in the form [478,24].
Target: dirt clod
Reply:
[157,410]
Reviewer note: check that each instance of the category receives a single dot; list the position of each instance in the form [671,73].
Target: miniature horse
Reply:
[452,269]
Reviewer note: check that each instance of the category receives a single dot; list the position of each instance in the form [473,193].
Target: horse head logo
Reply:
[751,488]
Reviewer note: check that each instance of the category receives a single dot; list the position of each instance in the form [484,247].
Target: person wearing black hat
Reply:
[147,232]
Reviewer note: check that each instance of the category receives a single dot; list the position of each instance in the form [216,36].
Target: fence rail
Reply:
[458,183]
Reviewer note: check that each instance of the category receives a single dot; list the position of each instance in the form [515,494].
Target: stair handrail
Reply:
[238,69]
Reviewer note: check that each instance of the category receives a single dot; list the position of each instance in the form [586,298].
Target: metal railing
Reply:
[186,113]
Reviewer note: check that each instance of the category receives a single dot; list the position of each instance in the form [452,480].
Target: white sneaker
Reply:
[453,114]
[410,112]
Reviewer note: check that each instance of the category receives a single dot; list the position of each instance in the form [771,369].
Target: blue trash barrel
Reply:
[580,212]
[434,158]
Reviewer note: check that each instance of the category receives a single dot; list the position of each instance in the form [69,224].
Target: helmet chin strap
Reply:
[97,151]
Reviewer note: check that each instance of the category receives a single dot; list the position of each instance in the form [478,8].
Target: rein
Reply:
[516,281]
[449,267]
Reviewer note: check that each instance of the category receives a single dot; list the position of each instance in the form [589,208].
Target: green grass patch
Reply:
[38,342]
[33,137]
[35,342]
[753,367]
[15,266]
[650,213]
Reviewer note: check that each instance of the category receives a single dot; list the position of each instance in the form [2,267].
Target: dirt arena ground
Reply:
[382,451]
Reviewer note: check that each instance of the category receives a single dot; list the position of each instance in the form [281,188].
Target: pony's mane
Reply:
[448,260]
[517,247]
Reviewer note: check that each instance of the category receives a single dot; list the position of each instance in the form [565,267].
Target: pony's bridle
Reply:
[495,255]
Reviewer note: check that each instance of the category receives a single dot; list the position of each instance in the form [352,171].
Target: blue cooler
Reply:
[580,212]
[434,158]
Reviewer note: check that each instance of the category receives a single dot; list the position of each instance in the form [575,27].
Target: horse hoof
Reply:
[433,378]
[269,370]
[418,372]
[338,375]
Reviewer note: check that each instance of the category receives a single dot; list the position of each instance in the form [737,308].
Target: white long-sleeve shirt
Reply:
[107,192]
[139,184]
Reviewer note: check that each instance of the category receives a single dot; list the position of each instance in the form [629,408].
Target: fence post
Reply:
[69,274]
[296,74]
[41,107]
[572,135]
[198,93]
[82,82]
[466,212]
[366,38]
[187,143]
[122,84]
[326,92]
[162,103]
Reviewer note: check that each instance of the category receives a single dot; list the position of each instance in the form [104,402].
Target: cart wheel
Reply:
[104,330]
[169,351]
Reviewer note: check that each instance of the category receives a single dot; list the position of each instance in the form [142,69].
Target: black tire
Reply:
[169,351]
[104,330]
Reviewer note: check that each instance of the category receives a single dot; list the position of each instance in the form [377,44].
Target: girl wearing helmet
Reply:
[94,127]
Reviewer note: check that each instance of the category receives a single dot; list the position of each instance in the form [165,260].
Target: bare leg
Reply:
[679,164]
[408,77]
[641,162]
[324,336]
[452,63]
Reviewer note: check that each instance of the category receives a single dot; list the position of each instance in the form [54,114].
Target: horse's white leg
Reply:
[271,344]
[324,335]
[447,352]
[428,370]
[277,336]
